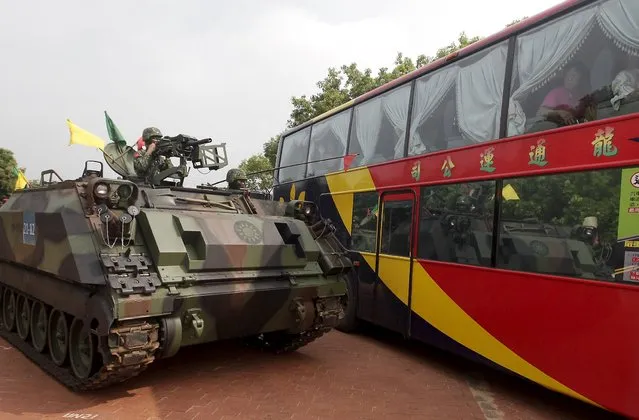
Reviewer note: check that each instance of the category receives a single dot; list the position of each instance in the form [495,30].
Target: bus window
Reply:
[459,104]
[571,224]
[577,68]
[379,127]
[456,223]
[396,228]
[328,140]
[294,150]
[364,227]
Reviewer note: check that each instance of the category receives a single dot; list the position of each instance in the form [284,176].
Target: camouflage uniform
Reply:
[236,179]
[144,160]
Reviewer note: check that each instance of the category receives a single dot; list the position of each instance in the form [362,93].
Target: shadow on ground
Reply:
[523,391]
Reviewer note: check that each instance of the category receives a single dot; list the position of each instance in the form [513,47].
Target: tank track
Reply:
[278,342]
[126,361]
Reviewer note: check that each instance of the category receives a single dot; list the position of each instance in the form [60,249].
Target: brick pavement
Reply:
[339,376]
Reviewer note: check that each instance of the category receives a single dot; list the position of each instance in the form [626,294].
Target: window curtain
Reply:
[542,54]
[619,20]
[430,91]
[396,109]
[480,88]
[338,126]
[368,124]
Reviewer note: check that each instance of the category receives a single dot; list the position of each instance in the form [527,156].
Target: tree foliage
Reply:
[262,182]
[7,179]
[270,149]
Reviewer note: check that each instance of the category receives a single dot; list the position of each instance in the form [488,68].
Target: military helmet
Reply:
[235,175]
[149,133]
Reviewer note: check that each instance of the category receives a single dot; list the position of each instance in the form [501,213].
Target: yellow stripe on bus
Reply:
[429,301]
[342,184]
[433,305]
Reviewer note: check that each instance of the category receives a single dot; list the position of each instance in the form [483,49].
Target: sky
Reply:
[206,68]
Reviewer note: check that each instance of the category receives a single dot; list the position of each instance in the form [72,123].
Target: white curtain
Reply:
[619,20]
[430,91]
[396,109]
[323,132]
[294,151]
[541,54]
[367,125]
[368,120]
[480,88]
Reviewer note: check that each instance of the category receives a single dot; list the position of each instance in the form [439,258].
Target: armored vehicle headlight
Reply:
[101,190]
[309,209]
[125,191]
[303,210]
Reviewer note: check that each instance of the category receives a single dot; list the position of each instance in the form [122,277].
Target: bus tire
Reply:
[349,323]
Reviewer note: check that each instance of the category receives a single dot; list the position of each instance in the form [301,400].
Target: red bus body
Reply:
[542,312]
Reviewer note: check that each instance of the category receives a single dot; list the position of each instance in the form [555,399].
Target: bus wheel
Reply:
[350,322]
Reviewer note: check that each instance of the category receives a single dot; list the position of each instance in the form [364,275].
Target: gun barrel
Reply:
[203,141]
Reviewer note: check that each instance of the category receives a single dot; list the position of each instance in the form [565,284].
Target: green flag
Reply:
[114,134]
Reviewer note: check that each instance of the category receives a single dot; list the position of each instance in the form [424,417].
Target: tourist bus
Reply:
[491,200]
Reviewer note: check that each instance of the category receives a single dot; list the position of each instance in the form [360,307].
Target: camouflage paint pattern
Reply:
[165,268]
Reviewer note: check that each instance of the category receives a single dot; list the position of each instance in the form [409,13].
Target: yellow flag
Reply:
[21,182]
[509,193]
[83,137]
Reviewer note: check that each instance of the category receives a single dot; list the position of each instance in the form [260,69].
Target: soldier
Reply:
[144,158]
[236,179]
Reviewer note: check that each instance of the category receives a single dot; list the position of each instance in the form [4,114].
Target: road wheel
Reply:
[23,316]
[39,326]
[58,337]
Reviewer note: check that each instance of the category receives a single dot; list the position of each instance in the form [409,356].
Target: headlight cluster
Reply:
[112,193]
[303,210]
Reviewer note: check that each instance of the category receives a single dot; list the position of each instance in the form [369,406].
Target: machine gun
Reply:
[180,146]
[187,148]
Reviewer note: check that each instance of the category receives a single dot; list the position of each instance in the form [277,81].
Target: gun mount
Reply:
[199,152]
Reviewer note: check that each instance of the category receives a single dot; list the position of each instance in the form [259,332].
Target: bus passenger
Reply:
[626,83]
[561,102]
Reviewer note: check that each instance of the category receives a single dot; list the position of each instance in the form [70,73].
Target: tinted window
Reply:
[456,223]
[328,140]
[571,224]
[379,127]
[294,150]
[459,105]
[578,68]
[364,226]
[396,227]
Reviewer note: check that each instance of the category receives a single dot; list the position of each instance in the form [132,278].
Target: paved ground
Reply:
[368,376]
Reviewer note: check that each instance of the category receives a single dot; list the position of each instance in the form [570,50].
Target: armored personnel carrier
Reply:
[99,276]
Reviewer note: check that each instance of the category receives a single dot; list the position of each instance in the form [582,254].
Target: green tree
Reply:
[262,182]
[7,179]
[270,149]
